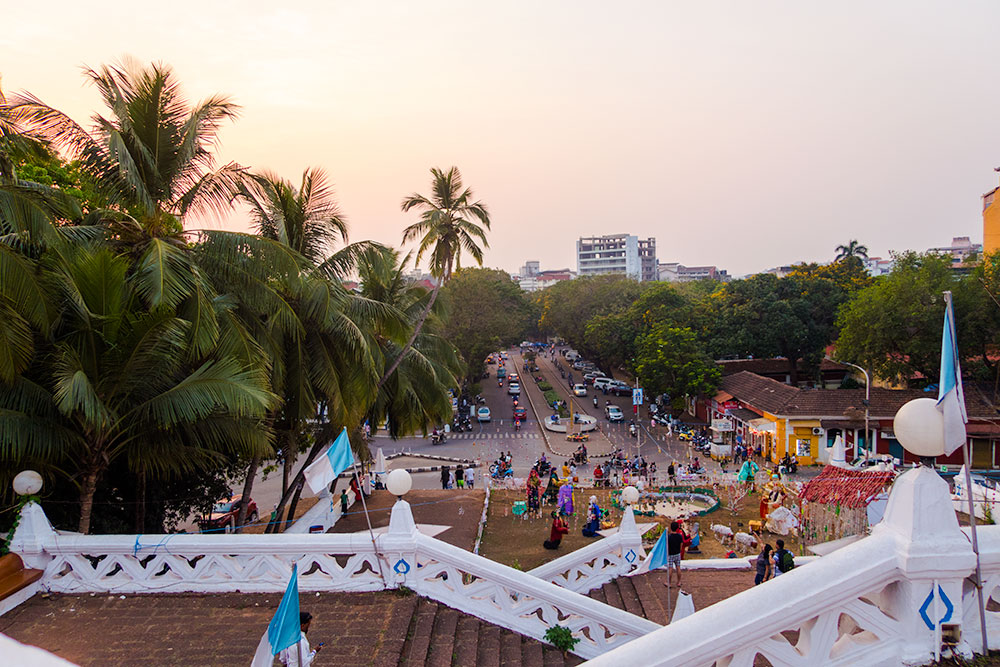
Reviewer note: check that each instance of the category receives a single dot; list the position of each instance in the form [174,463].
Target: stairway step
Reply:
[613,595]
[510,649]
[419,640]
[553,657]
[466,641]
[443,638]
[653,598]
[598,594]
[629,597]
[488,654]
[389,651]
[532,654]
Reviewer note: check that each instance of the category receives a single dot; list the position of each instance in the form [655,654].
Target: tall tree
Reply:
[451,222]
[852,249]
[670,360]
[767,316]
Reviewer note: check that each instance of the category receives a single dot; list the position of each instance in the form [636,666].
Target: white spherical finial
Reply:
[630,495]
[27,483]
[398,482]
[919,427]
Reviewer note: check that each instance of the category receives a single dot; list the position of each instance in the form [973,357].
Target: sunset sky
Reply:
[741,134]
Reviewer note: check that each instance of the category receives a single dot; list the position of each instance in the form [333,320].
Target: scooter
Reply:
[438,438]
[632,430]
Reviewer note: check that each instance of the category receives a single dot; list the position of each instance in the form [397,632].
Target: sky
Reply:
[741,134]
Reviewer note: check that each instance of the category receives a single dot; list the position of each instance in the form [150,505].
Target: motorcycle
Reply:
[480,399]
[788,465]
[632,430]
[496,472]
[579,458]
[438,438]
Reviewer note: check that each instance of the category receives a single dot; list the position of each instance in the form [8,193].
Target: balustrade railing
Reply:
[884,600]
[583,570]
[989,550]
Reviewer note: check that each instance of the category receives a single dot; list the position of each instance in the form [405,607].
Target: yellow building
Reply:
[991,221]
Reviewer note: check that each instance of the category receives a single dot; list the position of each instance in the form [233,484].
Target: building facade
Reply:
[617,254]
[991,220]
[676,272]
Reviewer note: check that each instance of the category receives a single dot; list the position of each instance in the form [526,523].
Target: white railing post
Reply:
[398,546]
[934,558]
[631,543]
[33,534]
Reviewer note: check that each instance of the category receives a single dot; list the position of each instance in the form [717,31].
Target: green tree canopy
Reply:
[671,360]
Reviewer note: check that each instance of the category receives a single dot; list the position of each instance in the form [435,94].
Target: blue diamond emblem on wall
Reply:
[401,566]
[948,608]
[630,556]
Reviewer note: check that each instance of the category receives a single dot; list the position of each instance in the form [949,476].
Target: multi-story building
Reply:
[991,220]
[959,250]
[530,268]
[877,266]
[617,253]
[678,273]
[542,279]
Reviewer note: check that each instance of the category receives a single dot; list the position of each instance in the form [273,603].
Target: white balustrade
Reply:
[596,564]
[989,556]
[879,601]
[136,564]
[326,513]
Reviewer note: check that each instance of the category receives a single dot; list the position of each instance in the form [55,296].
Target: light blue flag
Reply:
[284,630]
[336,459]
[951,398]
[658,556]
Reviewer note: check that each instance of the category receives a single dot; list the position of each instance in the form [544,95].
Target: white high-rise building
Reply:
[617,253]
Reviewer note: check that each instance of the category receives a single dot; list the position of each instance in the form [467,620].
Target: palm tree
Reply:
[113,380]
[449,224]
[852,249]
[151,157]
[320,351]
[416,396]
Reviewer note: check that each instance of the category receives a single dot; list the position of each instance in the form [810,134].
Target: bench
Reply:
[14,577]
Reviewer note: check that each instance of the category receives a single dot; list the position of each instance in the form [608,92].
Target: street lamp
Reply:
[868,385]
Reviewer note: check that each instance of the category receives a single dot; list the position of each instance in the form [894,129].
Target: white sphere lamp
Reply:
[398,482]
[630,495]
[27,483]
[919,427]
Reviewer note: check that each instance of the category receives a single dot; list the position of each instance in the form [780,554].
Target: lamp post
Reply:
[868,385]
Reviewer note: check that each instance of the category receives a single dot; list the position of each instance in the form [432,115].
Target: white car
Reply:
[514,389]
[580,390]
[614,413]
[601,383]
[483,414]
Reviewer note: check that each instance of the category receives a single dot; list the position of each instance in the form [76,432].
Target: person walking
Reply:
[343,502]
[445,476]
[783,559]
[764,566]
[470,477]
[460,477]
[672,474]
[451,479]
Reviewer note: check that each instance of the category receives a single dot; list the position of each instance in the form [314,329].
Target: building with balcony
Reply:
[617,254]
[678,273]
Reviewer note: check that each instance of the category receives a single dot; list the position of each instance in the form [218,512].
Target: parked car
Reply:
[614,413]
[592,376]
[514,389]
[580,365]
[602,383]
[224,513]
[580,390]
[520,412]
[620,389]
[483,414]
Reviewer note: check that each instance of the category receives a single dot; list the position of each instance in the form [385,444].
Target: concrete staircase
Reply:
[440,636]
[646,594]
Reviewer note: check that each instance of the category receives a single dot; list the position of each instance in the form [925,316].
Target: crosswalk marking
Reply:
[494,436]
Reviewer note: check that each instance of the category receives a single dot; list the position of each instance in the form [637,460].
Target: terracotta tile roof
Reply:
[778,366]
[772,396]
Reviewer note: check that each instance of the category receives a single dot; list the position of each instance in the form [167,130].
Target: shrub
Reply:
[544,386]
[561,637]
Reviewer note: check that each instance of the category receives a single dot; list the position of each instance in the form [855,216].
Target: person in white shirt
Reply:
[290,656]
[470,478]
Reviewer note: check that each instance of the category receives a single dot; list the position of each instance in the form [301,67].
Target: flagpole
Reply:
[371,533]
[978,582]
